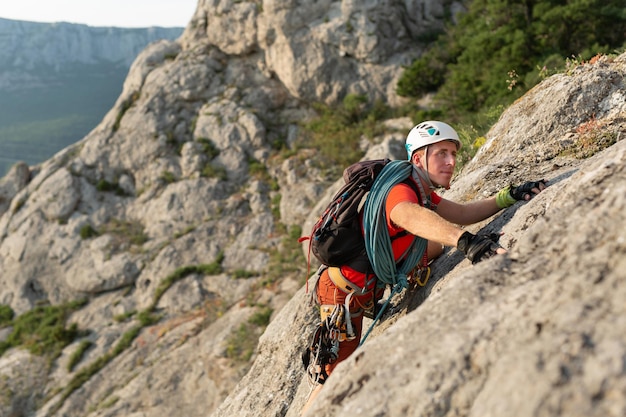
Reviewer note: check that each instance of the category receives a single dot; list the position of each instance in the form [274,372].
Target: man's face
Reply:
[441,162]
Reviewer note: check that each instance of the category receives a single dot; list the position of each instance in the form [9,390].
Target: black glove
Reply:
[478,247]
[520,192]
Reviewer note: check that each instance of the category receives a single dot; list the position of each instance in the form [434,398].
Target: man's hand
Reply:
[479,247]
[511,195]
[528,190]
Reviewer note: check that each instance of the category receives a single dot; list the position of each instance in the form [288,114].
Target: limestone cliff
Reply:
[162,221]
[53,47]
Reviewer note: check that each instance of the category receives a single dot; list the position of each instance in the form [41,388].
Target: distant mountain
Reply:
[57,81]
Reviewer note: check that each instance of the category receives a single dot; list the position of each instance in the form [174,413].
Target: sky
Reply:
[120,13]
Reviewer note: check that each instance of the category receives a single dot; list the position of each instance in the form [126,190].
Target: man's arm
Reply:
[425,223]
[477,211]
[429,225]
[469,213]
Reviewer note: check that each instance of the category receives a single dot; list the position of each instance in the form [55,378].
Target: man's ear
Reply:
[416,159]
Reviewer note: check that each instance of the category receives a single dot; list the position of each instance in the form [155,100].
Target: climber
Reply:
[432,149]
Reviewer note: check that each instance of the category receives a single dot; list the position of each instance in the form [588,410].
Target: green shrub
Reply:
[261,318]
[167,177]
[211,171]
[87,232]
[337,131]
[209,148]
[426,74]
[497,50]
[43,330]
[6,315]
[106,186]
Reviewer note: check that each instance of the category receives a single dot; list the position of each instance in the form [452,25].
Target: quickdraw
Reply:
[421,273]
[335,327]
[421,276]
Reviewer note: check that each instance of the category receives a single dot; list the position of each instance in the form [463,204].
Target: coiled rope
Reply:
[377,239]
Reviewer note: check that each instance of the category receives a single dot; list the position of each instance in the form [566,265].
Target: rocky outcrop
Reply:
[166,219]
[534,332]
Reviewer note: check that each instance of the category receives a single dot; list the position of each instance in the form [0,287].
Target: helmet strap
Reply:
[422,172]
[421,175]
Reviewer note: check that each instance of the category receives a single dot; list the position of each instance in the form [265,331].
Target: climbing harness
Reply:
[347,286]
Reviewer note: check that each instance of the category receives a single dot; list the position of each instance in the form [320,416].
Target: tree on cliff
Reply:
[499,49]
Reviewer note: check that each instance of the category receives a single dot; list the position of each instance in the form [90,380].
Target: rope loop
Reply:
[402,281]
[377,239]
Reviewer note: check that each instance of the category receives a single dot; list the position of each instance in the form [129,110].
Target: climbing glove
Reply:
[510,194]
[478,247]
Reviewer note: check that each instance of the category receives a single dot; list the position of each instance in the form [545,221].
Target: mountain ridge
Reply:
[57,80]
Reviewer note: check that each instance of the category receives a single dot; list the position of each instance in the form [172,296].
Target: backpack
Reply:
[337,239]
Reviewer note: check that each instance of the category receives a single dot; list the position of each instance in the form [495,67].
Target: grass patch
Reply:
[127,104]
[243,341]
[78,354]
[87,232]
[167,177]
[6,315]
[243,274]
[109,187]
[43,330]
[212,171]
[120,318]
[126,231]
[261,318]
[84,374]
[209,148]
[287,259]
[241,344]
[180,273]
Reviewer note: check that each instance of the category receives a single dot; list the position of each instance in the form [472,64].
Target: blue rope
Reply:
[377,239]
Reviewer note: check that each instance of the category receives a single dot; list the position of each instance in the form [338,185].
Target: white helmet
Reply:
[427,133]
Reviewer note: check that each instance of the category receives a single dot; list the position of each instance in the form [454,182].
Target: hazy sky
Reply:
[121,13]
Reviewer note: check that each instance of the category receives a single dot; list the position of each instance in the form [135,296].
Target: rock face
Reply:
[538,331]
[163,209]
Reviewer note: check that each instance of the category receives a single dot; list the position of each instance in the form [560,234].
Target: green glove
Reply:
[504,198]
[508,196]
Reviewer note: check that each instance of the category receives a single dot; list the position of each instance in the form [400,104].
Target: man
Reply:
[432,148]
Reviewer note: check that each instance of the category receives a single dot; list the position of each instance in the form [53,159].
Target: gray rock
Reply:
[130,217]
